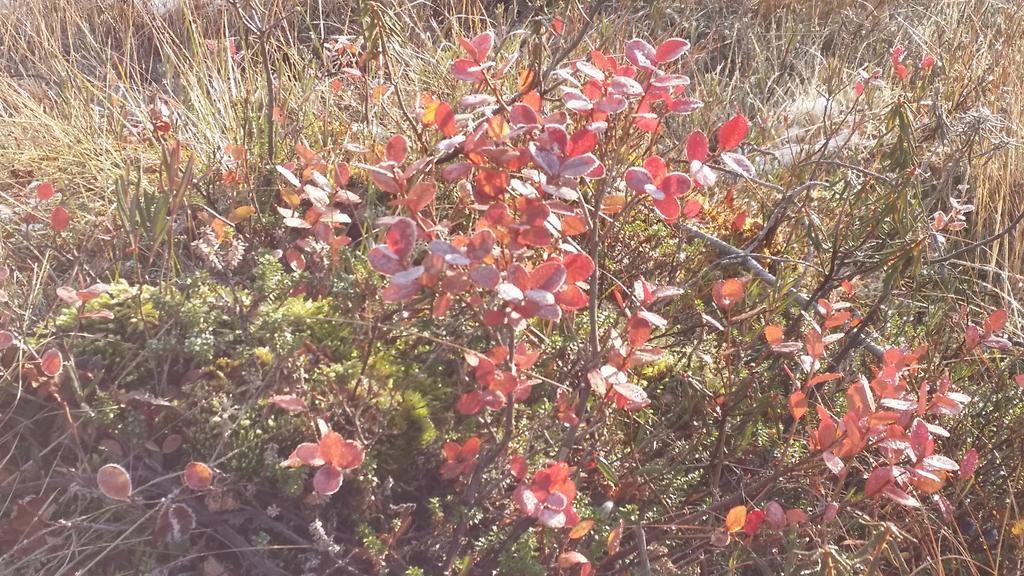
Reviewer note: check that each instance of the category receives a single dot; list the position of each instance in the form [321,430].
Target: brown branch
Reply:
[748,262]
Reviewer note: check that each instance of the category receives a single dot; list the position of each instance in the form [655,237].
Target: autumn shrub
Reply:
[557,317]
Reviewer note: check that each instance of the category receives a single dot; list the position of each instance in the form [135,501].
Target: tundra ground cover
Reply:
[471,288]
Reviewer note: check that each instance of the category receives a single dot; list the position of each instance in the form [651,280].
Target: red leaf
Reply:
[969,464]
[878,480]
[753,523]
[51,362]
[295,259]
[470,403]
[996,321]
[59,219]
[6,339]
[396,149]
[400,237]
[578,267]
[420,196]
[517,465]
[44,191]
[671,49]
[732,133]
[697,146]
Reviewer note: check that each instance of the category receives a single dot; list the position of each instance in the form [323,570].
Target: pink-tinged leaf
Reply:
[685,105]
[969,464]
[830,512]
[897,495]
[400,237]
[638,179]
[878,480]
[732,133]
[631,392]
[289,402]
[675,184]
[467,70]
[523,115]
[421,195]
[59,219]
[775,515]
[671,49]
[305,454]
[739,163]
[640,54]
[833,462]
[396,149]
[697,146]
[485,276]
[51,362]
[408,277]
[577,166]
[44,191]
[197,476]
[552,518]
[482,44]
[383,260]
[68,295]
[114,482]
[940,462]
[384,179]
[395,292]
[295,259]
[6,339]
[625,86]
[327,480]
[526,500]
[691,208]
[571,298]
[517,466]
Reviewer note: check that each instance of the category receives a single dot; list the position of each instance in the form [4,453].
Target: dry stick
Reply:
[469,500]
[748,262]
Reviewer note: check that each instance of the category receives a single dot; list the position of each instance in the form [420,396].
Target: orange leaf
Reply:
[51,362]
[614,537]
[727,293]
[798,404]
[197,476]
[736,518]
[114,482]
[581,529]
